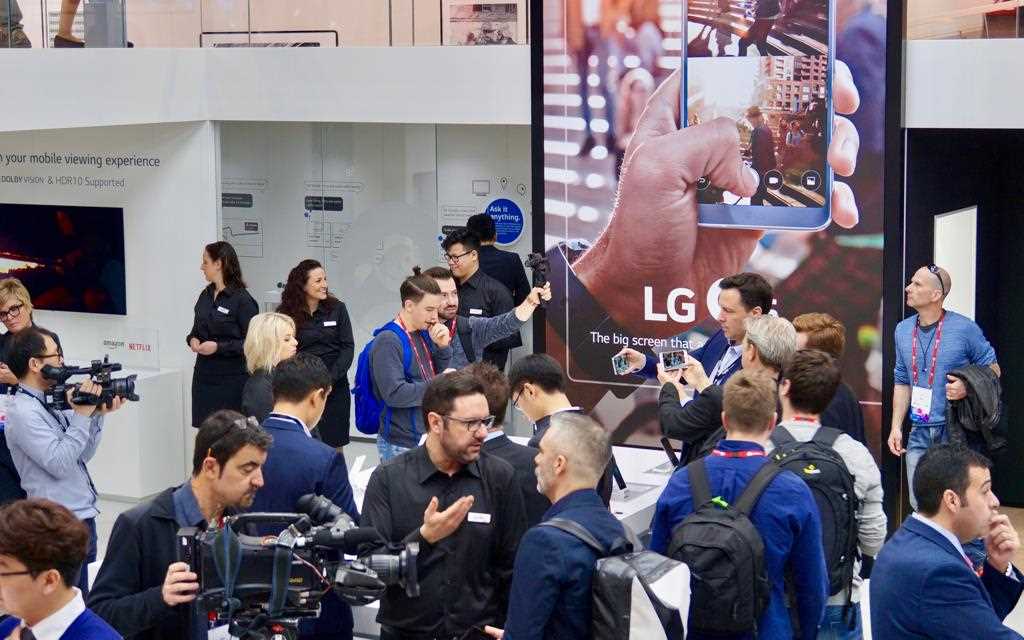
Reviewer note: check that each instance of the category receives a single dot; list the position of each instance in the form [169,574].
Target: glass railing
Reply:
[957,19]
[260,23]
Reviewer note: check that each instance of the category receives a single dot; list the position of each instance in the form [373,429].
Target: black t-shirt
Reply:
[223,319]
[327,334]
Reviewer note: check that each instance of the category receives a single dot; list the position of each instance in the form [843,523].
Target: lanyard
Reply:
[738,454]
[455,323]
[804,419]
[61,418]
[937,338]
[416,352]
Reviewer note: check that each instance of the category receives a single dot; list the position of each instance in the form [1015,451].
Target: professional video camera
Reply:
[99,371]
[261,573]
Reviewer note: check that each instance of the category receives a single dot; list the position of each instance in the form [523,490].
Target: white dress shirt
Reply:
[53,626]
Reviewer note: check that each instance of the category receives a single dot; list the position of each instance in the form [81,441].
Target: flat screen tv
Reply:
[69,258]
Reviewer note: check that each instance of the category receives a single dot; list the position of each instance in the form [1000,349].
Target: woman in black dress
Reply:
[323,329]
[222,316]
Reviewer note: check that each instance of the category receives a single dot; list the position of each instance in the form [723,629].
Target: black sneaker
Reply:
[60,42]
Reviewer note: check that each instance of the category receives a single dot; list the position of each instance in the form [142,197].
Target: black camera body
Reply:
[262,573]
[539,264]
[100,372]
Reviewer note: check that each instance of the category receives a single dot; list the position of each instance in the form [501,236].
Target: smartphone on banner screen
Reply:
[767,65]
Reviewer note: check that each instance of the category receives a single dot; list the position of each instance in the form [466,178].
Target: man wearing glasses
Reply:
[464,509]
[480,295]
[50,448]
[929,345]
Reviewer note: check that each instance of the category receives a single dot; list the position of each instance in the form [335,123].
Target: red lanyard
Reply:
[738,454]
[416,352]
[935,352]
[455,323]
[804,419]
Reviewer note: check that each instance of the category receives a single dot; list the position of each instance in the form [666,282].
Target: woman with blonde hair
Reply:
[269,340]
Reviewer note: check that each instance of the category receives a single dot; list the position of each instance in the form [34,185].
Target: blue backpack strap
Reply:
[403,337]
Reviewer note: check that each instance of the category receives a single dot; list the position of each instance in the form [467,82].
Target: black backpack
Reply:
[823,469]
[729,585]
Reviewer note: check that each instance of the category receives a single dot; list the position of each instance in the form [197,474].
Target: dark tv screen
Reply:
[69,258]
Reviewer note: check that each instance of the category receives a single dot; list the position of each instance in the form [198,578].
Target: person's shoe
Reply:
[60,42]
[587,146]
[19,39]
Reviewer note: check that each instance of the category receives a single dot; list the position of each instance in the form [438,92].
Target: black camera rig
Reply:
[261,573]
[99,372]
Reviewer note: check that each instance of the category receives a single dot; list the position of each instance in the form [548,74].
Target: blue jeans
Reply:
[921,437]
[833,627]
[388,450]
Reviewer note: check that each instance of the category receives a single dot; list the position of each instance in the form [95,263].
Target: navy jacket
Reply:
[551,593]
[922,588]
[709,354]
[507,268]
[87,626]
[521,459]
[787,518]
[298,464]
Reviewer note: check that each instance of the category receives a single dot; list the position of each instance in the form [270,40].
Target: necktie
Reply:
[26,634]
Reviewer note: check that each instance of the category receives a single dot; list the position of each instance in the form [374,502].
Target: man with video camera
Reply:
[50,447]
[142,590]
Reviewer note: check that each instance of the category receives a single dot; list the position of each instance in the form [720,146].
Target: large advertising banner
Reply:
[644,217]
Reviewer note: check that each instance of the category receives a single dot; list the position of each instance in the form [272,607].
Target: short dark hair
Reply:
[754,290]
[225,433]
[418,285]
[300,375]
[944,467]
[44,535]
[539,369]
[443,390]
[469,240]
[439,273]
[482,224]
[496,388]
[813,379]
[24,345]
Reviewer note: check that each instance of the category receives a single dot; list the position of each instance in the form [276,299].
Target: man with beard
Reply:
[470,334]
[472,518]
[141,589]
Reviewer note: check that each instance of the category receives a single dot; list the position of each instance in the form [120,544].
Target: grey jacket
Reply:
[484,331]
[401,395]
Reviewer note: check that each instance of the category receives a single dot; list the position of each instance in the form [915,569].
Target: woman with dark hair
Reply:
[323,329]
[222,316]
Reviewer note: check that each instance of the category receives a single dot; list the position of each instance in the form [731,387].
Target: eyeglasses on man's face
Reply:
[450,259]
[473,424]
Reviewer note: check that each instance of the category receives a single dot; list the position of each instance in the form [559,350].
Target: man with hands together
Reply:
[465,511]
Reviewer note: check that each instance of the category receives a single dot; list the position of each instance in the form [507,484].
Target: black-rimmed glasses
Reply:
[449,258]
[11,574]
[473,425]
[11,313]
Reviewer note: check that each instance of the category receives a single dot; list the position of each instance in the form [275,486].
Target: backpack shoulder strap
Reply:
[403,338]
[700,488]
[826,436]
[781,437]
[752,493]
[575,529]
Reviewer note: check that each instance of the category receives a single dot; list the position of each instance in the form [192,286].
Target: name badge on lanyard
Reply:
[921,396]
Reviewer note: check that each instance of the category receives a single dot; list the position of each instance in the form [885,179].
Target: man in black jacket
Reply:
[768,344]
[504,266]
[141,589]
[496,390]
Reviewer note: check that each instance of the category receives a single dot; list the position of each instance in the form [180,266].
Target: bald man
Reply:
[930,344]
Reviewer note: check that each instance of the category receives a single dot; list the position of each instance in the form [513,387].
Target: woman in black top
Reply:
[270,340]
[222,316]
[323,329]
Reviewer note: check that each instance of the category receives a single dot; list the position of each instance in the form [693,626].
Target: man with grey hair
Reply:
[768,343]
[550,596]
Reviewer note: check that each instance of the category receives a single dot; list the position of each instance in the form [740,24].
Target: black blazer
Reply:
[521,459]
[507,268]
[127,589]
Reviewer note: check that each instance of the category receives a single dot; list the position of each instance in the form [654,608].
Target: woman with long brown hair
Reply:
[323,329]
[222,316]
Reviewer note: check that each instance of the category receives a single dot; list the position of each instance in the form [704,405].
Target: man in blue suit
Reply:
[923,585]
[42,551]
[298,465]
[740,296]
